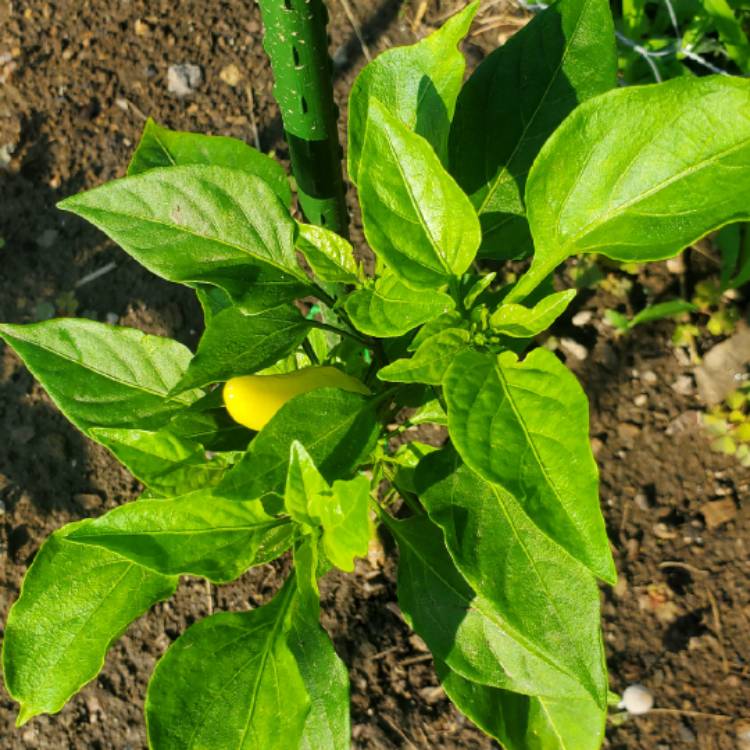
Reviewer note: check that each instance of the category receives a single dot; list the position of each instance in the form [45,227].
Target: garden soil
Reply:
[77,78]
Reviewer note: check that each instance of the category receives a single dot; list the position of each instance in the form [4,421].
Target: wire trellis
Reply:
[679,48]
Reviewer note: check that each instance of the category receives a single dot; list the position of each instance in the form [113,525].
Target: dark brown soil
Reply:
[76,80]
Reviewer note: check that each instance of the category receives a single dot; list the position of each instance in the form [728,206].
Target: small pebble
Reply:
[112,318]
[649,377]
[637,700]
[582,318]
[183,79]
[574,349]
[640,400]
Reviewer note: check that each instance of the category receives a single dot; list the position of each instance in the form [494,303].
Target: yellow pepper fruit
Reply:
[252,400]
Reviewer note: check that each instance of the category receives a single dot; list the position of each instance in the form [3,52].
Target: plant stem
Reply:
[297,43]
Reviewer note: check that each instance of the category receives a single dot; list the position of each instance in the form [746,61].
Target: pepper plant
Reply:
[499,532]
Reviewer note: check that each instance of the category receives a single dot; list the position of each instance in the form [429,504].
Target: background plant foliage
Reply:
[500,538]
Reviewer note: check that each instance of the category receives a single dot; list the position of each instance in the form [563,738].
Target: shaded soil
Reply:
[77,79]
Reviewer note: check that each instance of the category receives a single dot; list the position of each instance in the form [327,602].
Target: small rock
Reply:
[183,79]
[683,385]
[596,446]
[640,400]
[141,28]
[231,75]
[620,589]
[742,732]
[6,154]
[112,318]
[662,531]
[628,432]
[47,238]
[582,318]
[340,57]
[649,377]
[432,694]
[718,512]
[676,265]
[574,349]
[642,501]
[88,501]
[22,435]
[686,422]
[637,700]
[723,367]
[93,708]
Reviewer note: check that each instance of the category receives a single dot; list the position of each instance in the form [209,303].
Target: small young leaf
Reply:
[414,214]
[450,319]
[525,427]
[330,256]
[545,596]
[238,344]
[521,322]
[231,681]
[303,484]
[162,147]
[338,428]
[520,722]
[103,376]
[662,310]
[514,101]
[390,308]
[195,224]
[430,361]
[75,602]
[418,84]
[198,534]
[167,464]
[640,173]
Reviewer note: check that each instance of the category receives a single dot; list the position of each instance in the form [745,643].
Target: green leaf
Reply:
[230,681]
[662,310]
[303,484]
[195,224]
[418,84]
[522,722]
[326,678]
[640,173]
[414,214]
[430,361]
[103,376]
[167,464]
[461,627]
[338,429]
[198,534]
[390,308]
[525,427]
[430,412]
[545,597]
[521,322]
[330,256]
[514,101]
[238,344]
[75,602]
[162,147]
[450,319]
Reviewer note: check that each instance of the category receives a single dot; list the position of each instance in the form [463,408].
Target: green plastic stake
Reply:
[297,43]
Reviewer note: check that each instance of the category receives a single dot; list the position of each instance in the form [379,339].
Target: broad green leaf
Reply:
[640,173]
[238,344]
[230,681]
[406,459]
[162,147]
[330,256]
[521,722]
[415,216]
[524,425]
[390,308]
[430,412]
[166,463]
[101,375]
[75,602]
[521,322]
[198,534]
[547,598]
[303,484]
[195,224]
[418,84]
[450,319]
[338,429]
[461,627]
[514,101]
[430,361]
[341,510]
[325,676]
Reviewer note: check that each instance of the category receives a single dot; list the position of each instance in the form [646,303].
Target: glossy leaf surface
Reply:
[524,426]
[415,216]
[330,256]
[162,147]
[390,308]
[518,321]
[514,101]
[75,602]
[103,376]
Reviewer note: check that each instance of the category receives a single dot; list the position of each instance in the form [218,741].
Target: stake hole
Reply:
[295,56]
[303,101]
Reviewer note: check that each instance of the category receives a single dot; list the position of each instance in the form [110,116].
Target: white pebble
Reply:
[637,700]
[184,79]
